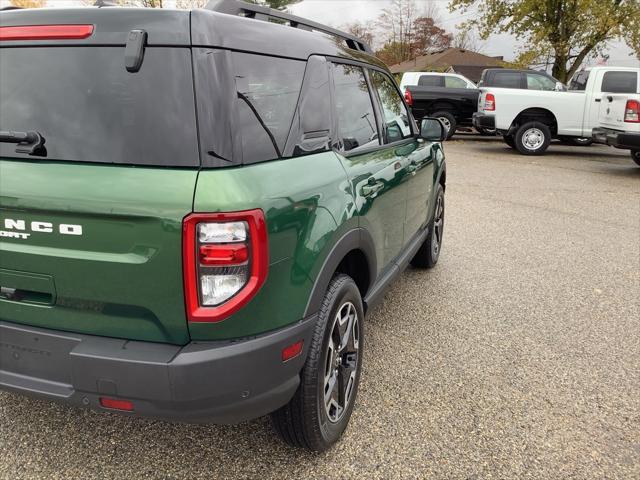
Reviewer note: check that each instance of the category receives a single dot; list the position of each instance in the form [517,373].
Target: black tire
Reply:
[449,122]
[635,156]
[305,421]
[509,140]
[533,138]
[429,252]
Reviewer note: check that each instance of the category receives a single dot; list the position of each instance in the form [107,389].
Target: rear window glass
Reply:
[89,108]
[430,81]
[579,81]
[267,89]
[620,82]
[506,80]
[454,82]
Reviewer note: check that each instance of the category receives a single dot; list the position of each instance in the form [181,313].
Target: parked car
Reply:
[619,122]
[528,120]
[449,97]
[215,263]
[519,79]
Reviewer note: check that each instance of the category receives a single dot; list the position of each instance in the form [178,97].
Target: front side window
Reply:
[539,82]
[394,113]
[620,82]
[454,82]
[267,95]
[356,120]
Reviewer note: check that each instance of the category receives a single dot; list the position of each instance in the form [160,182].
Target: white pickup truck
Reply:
[620,123]
[530,119]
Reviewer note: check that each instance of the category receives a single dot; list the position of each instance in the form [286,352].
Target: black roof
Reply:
[166,27]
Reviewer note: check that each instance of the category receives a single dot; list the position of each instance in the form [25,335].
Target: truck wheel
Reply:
[635,156]
[320,410]
[509,140]
[533,138]
[449,122]
[429,252]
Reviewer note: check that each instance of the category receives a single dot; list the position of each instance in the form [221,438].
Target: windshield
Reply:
[89,108]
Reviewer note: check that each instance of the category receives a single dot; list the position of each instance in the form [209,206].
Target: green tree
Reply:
[560,32]
[28,3]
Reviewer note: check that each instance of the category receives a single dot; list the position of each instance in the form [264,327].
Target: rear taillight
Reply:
[116,404]
[46,32]
[225,261]
[408,98]
[632,111]
[489,102]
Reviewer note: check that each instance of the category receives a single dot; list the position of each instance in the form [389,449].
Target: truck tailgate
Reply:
[612,112]
[94,249]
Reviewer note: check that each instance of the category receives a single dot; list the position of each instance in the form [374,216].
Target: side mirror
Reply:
[432,130]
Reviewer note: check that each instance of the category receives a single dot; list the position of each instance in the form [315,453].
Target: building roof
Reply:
[443,59]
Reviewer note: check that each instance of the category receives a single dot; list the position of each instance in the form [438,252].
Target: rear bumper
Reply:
[483,120]
[217,382]
[627,141]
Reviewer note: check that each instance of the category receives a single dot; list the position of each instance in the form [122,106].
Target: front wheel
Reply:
[533,138]
[429,252]
[635,156]
[319,411]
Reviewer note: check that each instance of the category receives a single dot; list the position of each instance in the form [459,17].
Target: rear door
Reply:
[91,226]
[377,171]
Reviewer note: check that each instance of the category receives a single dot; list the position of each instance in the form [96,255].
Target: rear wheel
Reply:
[532,138]
[448,121]
[635,156]
[429,252]
[320,410]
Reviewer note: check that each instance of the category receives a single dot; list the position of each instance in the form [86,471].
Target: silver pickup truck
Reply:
[619,123]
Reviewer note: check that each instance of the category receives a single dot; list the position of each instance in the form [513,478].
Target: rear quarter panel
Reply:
[308,205]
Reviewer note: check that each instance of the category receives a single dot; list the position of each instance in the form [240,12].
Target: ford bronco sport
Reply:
[197,209]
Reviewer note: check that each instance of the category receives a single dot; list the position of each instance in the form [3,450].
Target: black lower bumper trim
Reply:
[217,382]
[482,120]
[623,140]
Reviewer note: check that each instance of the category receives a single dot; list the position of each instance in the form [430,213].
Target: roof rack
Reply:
[259,12]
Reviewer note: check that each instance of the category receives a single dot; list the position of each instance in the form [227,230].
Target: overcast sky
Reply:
[340,12]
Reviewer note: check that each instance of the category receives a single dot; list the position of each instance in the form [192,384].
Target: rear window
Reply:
[579,81]
[506,80]
[620,82]
[89,108]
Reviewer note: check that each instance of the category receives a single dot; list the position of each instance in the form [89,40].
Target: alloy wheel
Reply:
[341,362]
[438,226]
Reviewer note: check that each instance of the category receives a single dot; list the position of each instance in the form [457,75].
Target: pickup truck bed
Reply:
[619,123]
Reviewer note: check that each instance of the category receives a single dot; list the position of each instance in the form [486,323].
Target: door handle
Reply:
[372,187]
[598,100]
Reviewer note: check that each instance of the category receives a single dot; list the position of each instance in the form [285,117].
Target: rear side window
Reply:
[454,82]
[89,108]
[506,80]
[579,81]
[620,82]
[430,81]
[267,89]
[356,120]
[395,115]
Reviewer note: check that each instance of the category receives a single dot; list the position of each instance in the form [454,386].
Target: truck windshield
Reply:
[89,108]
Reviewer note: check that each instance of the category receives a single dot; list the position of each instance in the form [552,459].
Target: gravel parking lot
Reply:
[517,357]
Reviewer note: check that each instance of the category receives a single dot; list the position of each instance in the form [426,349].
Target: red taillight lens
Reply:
[46,32]
[632,111]
[116,404]
[225,261]
[408,98]
[489,102]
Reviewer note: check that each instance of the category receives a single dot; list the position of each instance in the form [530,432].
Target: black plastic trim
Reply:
[617,139]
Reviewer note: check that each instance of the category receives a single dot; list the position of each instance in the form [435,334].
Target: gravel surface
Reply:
[517,357]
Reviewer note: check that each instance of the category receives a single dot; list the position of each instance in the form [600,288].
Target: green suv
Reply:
[198,208]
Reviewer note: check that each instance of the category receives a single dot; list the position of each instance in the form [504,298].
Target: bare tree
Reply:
[466,39]
[29,3]
[189,4]
[364,32]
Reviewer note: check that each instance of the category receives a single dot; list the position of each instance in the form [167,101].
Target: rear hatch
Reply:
[91,225]
[613,109]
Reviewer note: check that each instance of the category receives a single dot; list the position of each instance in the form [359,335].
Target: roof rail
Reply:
[259,12]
